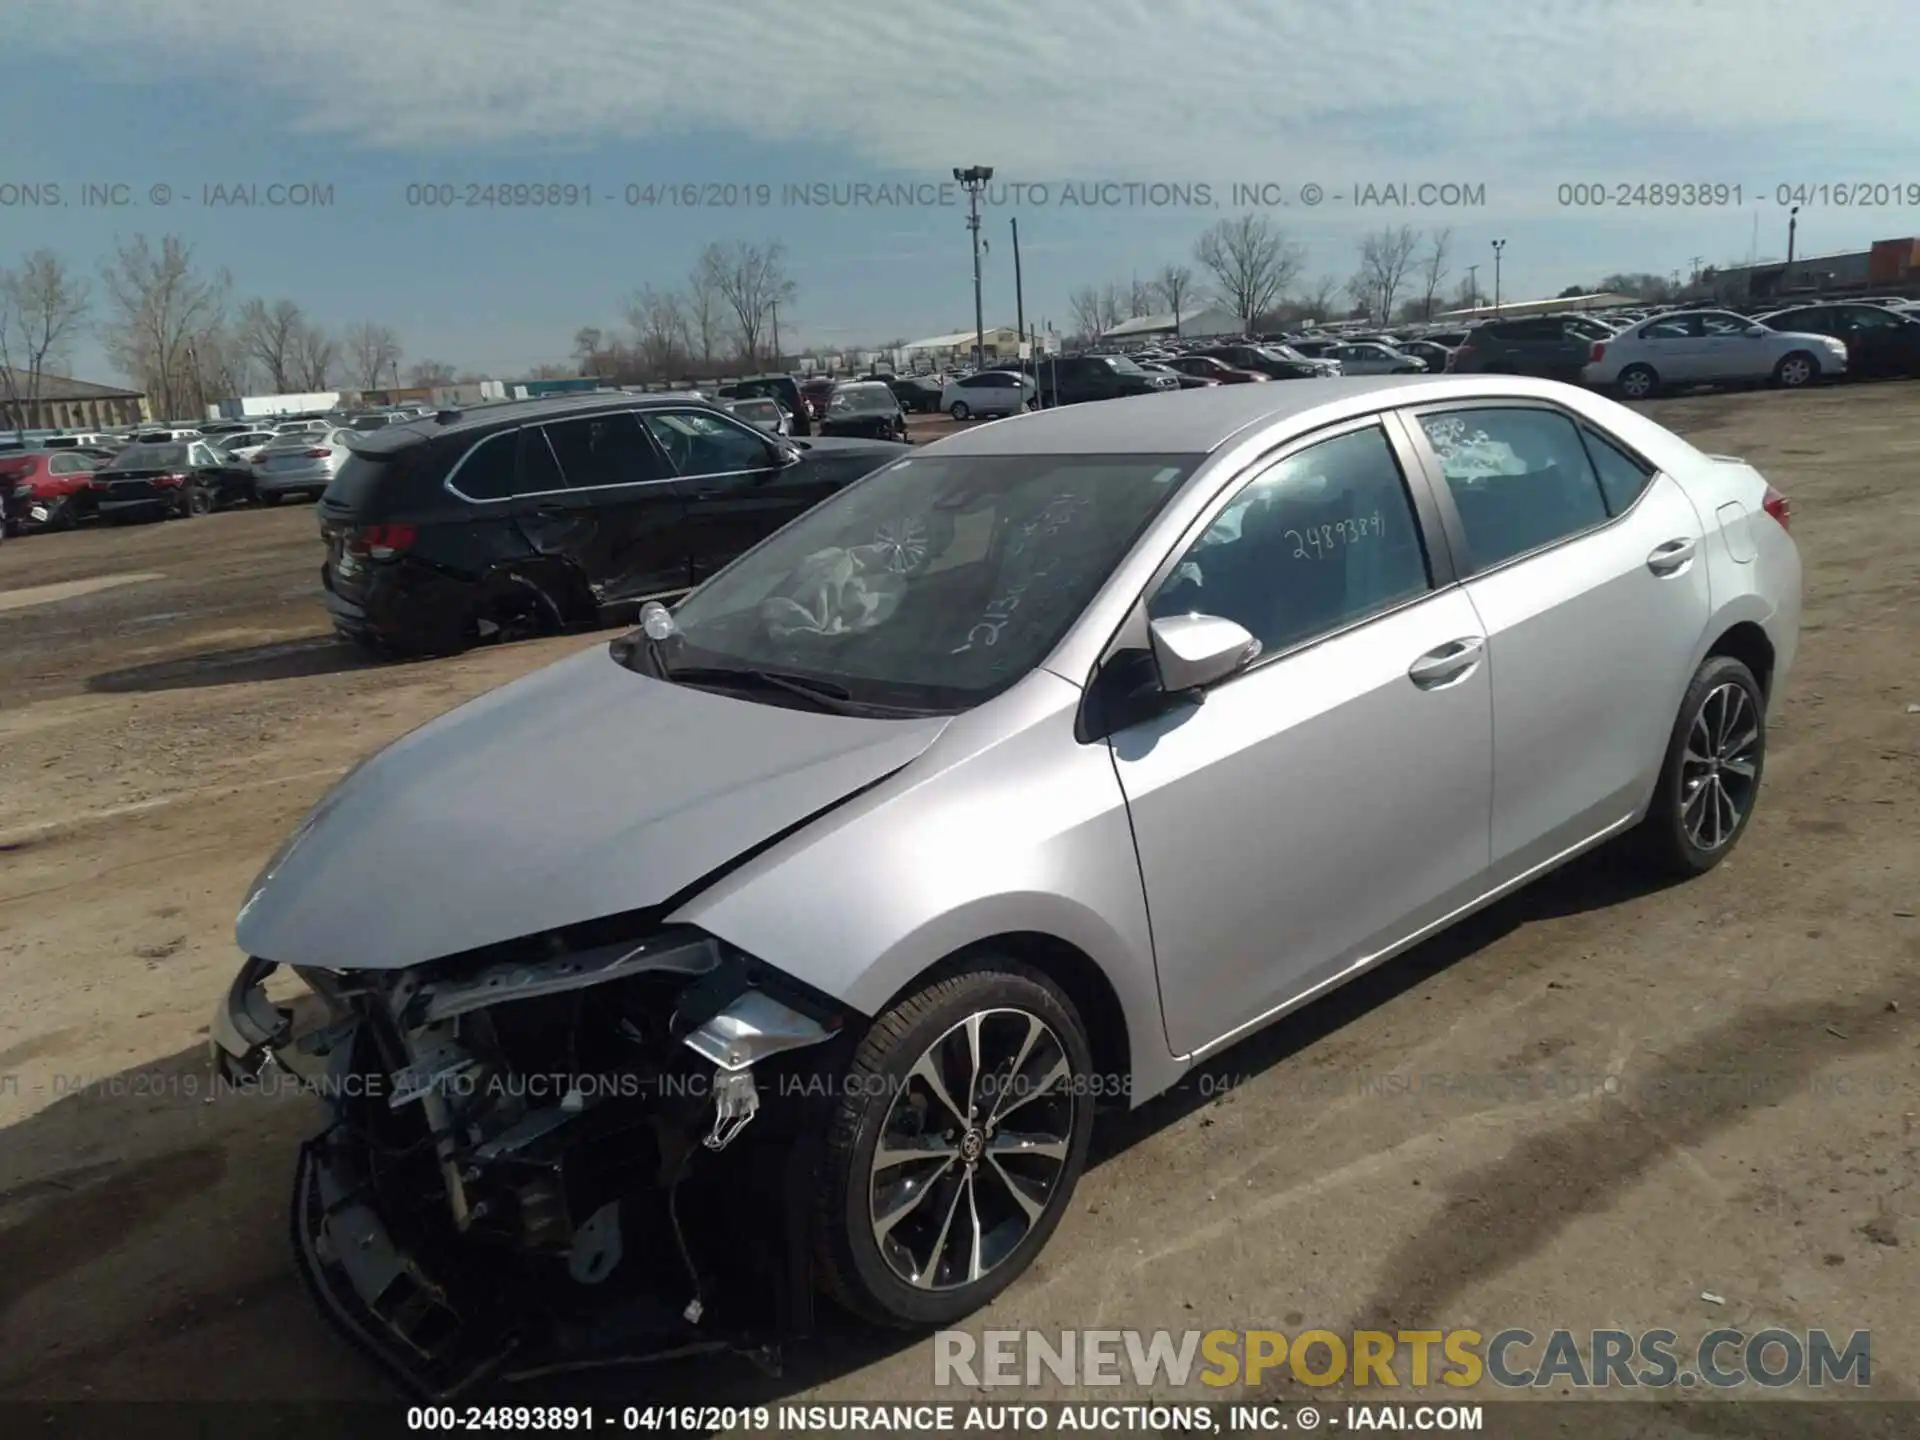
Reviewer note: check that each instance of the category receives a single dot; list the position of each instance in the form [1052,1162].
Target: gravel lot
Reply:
[1434,1146]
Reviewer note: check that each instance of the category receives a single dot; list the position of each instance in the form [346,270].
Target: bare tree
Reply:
[1084,305]
[661,335]
[704,310]
[315,353]
[1140,298]
[1317,302]
[1384,258]
[751,281]
[41,309]
[159,305]
[1433,268]
[373,354]
[269,332]
[1252,263]
[1113,305]
[1174,285]
[553,371]
[220,362]
[429,374]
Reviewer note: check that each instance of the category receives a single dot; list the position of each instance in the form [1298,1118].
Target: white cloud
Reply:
[1290,90]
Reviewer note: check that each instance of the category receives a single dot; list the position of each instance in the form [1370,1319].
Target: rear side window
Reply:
[487,471]
[596,451]
[1622,477]
[1520,479]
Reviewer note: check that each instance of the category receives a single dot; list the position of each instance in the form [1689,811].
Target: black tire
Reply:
[1796,371]
[1722,704]
[855,1265]
[960,410]
[514,608]
[271,497]
[1638,382]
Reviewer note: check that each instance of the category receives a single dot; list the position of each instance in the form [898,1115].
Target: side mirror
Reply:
[785,455]
[1193,651]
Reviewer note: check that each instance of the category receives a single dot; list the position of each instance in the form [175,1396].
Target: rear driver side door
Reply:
[595,491]
[734,483]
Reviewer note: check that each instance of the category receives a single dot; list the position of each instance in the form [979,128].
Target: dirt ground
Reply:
[1438,1145]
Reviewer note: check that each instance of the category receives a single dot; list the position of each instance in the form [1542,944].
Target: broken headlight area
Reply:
[534,1161]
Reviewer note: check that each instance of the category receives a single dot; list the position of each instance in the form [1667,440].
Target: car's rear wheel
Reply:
[270,497]
[514,609]
[1711,776]
[959,410]
[1638,382]
[955,1147]
[1796,370]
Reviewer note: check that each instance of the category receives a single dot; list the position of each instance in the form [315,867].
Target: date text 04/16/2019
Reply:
[1691,194]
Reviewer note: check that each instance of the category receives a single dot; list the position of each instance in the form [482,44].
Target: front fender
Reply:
[997,829]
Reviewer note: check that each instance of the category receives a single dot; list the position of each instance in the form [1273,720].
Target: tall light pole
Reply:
[776,334]
[1793,224]
[1498,246]
[1019,300]
[1473,286]
[973,180]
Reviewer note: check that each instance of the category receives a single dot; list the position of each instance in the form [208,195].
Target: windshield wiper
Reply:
[821,694]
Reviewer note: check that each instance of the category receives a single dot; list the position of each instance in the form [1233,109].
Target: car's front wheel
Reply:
[959,410]
[955,1146]
[1711,775]
[1796,370]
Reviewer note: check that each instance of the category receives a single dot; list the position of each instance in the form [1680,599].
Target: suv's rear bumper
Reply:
[402,606]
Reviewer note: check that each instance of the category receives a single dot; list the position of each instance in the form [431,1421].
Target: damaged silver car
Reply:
[787,944]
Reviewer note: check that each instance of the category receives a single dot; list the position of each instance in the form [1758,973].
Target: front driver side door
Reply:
[733,483]
[1333,799]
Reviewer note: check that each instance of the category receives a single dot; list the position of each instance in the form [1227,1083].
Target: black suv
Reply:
[1551,347]
[527,517]
[1072,379]
[783,388]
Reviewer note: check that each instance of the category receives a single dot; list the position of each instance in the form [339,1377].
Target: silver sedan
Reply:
[299,462]
[1707,347]
[808,923]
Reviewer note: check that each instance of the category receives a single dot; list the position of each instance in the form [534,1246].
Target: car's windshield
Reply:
[862,400]
[933,584]
[148,457]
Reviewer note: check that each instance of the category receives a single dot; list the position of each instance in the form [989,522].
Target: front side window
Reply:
[1674,329]
[1724,325]
[1326,538]
[1519,478]
[934,583]
[702,444]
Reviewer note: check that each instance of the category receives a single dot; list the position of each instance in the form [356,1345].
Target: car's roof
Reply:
[1191,422]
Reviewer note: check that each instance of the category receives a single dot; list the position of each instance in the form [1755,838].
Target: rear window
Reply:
[360,480]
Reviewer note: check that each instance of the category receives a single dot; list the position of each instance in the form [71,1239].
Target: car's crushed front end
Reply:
[580,1149]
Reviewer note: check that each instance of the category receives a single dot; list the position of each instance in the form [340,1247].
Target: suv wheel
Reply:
[961,1132]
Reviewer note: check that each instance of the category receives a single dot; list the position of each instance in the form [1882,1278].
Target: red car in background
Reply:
[1205,367]
[47,489]
[815,393]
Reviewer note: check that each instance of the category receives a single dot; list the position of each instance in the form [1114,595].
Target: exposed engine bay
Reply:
[568,1151]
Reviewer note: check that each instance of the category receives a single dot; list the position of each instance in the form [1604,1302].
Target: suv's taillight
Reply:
[1599,349]
[1779,507]
[381,542]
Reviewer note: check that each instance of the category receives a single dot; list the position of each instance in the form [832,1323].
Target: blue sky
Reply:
[369,99]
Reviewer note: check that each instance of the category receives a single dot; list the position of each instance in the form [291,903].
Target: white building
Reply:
[1517,309]
[1195,323]
[1002,342]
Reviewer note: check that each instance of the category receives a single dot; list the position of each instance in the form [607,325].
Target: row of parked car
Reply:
[157,472]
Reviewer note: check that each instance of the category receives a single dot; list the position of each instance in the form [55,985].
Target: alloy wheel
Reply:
[1795,371]
[1635,384]
[972,1150]
[1720,766]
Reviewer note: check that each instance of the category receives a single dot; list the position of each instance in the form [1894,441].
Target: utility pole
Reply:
[1019,300]
[1498,246]
[1793,224]
[1473,286]
[973,180]
[776,334]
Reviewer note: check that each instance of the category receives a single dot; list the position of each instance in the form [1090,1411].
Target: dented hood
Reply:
[580,791]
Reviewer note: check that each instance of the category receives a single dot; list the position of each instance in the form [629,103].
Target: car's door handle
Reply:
[1671,557]
[1450,662]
